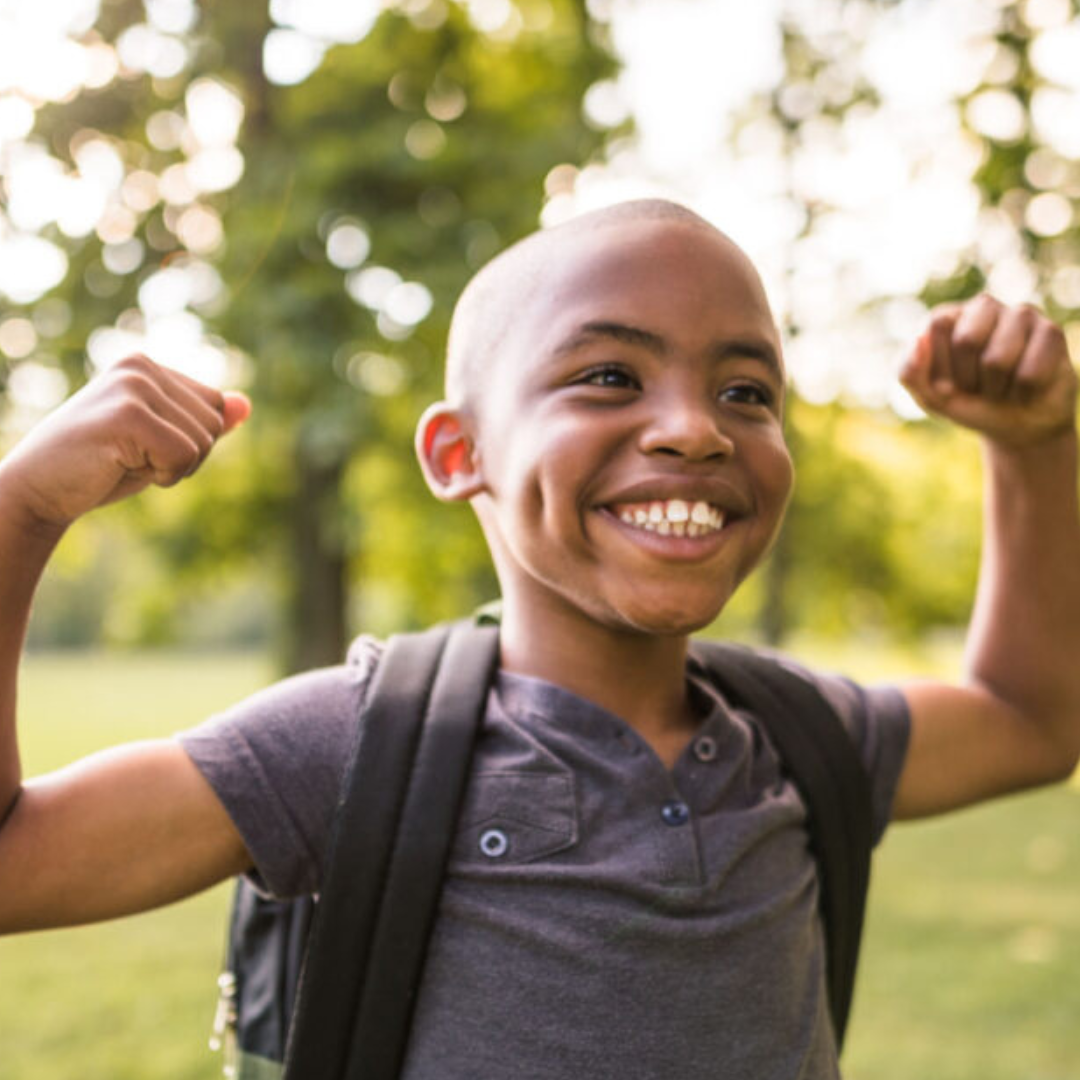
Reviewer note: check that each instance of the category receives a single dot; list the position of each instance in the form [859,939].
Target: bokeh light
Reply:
[845,223]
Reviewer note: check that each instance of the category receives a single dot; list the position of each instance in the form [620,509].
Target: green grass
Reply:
[133,999]
[971,964]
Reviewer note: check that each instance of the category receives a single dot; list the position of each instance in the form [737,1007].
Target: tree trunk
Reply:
[317,630]
[773,617]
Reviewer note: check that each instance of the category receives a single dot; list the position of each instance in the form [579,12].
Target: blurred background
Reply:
[288,197]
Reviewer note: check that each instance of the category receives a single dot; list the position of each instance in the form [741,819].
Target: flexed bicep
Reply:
[122,831]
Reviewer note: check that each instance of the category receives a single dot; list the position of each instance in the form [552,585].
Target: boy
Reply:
[631,894]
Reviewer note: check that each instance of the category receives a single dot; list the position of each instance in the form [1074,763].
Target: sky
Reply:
[900,175]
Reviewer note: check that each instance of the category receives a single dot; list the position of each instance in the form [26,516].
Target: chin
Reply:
[668,619]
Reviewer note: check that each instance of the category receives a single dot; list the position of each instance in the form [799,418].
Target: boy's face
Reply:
[629,431]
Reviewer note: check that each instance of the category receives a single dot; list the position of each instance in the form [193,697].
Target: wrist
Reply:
[1035,484]
[19,516]
[1058,448]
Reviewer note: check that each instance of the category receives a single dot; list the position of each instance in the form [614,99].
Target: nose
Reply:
[686,426]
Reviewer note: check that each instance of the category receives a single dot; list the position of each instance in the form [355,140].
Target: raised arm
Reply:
[138,826]
[1015,721]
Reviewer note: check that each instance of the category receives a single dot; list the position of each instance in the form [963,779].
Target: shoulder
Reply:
[875,718]
[276,761]
[323,701]
[860,708]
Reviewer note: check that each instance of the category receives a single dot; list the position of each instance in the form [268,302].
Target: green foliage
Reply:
[882,534]
[349,145]
[435,139]
[432,137]
[1016,170]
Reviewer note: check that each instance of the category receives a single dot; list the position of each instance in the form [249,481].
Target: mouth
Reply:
[671,517]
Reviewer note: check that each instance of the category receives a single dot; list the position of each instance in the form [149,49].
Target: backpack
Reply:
[286,995]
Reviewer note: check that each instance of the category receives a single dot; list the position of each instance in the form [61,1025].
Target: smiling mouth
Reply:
[671,517]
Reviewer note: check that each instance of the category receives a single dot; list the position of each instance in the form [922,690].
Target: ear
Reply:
[447,453]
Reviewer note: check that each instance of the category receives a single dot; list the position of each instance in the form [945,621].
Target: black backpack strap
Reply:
[392,837]
[821,759]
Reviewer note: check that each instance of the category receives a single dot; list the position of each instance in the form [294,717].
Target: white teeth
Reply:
[675,517]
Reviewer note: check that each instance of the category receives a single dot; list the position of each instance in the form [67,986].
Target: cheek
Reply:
[546,464]
[785,474]
[776,470]
[774,475]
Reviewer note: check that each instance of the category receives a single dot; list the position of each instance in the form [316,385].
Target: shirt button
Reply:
[494,843]
[675,812]
[705,748]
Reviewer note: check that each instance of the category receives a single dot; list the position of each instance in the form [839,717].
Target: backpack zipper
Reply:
[223,1033]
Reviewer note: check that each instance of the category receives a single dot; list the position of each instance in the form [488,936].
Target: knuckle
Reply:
[134,381]
[1028,383]
[995,360]
[132,411]
[136,362]
[1055,334]
[966,339]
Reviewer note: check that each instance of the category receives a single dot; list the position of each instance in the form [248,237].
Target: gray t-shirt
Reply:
[602,916]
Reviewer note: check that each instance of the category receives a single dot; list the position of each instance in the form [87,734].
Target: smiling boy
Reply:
[614,415]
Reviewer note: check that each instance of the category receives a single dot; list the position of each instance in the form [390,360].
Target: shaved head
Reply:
[486,309]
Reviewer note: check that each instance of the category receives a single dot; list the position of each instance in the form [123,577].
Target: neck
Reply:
[638,677]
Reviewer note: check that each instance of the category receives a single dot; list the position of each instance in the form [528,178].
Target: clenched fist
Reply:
[1002,371]
[134,425]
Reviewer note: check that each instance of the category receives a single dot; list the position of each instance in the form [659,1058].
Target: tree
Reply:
[1012,126]
[370,191]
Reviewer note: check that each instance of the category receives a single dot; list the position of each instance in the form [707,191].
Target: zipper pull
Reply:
[223,1033]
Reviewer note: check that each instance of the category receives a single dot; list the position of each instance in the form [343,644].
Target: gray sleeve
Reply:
[878,720]
[276,761]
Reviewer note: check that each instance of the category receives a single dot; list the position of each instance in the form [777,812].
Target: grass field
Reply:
[971,964]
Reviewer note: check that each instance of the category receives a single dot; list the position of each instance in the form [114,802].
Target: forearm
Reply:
[1024,644]
[25,547]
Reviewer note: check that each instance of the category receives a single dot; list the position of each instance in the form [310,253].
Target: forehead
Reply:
[682,281]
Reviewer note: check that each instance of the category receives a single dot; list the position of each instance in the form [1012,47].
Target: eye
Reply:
[610,376]
[748,393]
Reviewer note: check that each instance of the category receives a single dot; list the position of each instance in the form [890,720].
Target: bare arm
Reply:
[1015,721]
[138,826]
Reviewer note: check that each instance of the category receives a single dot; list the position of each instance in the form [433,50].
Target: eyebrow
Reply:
[752,348]
[627,335]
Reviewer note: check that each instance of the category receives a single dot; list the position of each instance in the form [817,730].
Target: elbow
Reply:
[1062,756]
[7,807]
[1067,766]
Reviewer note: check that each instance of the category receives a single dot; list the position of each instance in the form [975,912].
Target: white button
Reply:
[494,843]
[705,748]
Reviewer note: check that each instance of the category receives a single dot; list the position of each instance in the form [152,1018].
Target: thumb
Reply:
[237,408]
